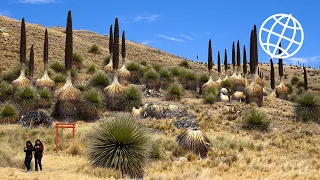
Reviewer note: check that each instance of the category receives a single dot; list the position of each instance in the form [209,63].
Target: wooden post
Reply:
[64,125]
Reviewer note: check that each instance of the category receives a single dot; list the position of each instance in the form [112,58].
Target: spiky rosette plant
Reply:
[6,91]
[132,97]
[31,64]
[307,108]
[45,80]
[9,113]
[123,72]
[195,141]
[92,102]
[119,143]
[245,70]
[27,99]
[115,88]
[67,96]
[241,82]
[282,91]
[233,61]
[109,66]
[45,98]
[305,79]
[22,80]
[253,91]
[152,79]
[210,82]
[219,71]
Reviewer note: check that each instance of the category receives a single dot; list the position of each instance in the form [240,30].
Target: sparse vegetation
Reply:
[92,69]
[26,98]
[45,98]
[57,67]
[94,49]
[294,80]
[184,64]
[151,78]
[77,59]
[59,78]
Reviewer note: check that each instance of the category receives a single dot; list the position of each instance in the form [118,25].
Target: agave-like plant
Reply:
[256,119]
[22,80]
[109,66]
[8,113]
[92,102]
[210,82]
[99,80]
[6,91]
[307,107]
[45,98]
[67,96]
[45,80]
[119,143]
[27,99]
[123,71]
[174,92]
[132,97]
[115,88]
[195,141]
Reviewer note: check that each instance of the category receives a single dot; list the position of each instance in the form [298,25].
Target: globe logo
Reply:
[271,37]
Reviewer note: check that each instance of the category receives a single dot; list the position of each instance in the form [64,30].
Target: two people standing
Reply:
[38,149]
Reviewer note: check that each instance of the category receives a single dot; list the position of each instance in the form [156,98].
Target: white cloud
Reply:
[38,1]
[5,13]
[302,60]
[170,38]
[146,42]
[194,34]
[146,17]
[187,37]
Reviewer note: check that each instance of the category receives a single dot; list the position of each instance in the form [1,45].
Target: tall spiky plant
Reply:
[31,64]
[238,58]
[68,96]
[241,81]
[45,80]
[282,91]
[22,81]
[233,60]
[245,70]
[305,78]
[272,76]
[253,91]
[210,82]
[225,64]
[123,72]
[219,70]
[115,88]
[109,66]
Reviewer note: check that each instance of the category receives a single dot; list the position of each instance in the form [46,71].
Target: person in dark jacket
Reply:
[28,150]
[38,148]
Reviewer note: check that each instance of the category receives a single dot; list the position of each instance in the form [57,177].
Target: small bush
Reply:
[6,91]
[294,98]
[45,98]
[57,67]
[8,113]
[99,80]
[157,67]
[27,99]
[210,95]
[156,151]
[75,149]
[175,91]
[59,78]
[294,80]
[77,59]
[307,108]
[92,103]
[184,64]
[81,86]
[92,69]
[189,80]
[256,119]
[74,72]
[151,78]
[133,66]
[204,78]
[290,88]
[94,49]
[300,84]
[10,76]
[106,60]
[144,63]
[175,71]
[132,97]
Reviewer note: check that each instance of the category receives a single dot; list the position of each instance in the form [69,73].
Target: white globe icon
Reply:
[297,28]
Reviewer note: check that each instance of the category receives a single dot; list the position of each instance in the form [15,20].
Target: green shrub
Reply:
[106,60]
[45,99]
[203,78]
[92,102]
[6,91]
[307,107]
[188,79]
[210,95]
[165,74]
[8,113]
[119,143]
[57,67]
[59,78]
[290,88]
[175,91]
[77,59]
[175,71]
[184,64]
[157,67]
[132,97]
[300,91]
[92,69]
[300,84]
[294,98]
[10,76]
[294,80]
[81,86]
[144,63]
[94,49]
[74,72]
[27,99]
[256,119]
[151,78]
[156,151]
[133,66]
[99,80]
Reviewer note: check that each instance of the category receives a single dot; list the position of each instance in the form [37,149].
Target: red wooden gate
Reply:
[64,125]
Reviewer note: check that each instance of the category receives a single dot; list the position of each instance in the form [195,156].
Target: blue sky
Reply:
[178,27]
